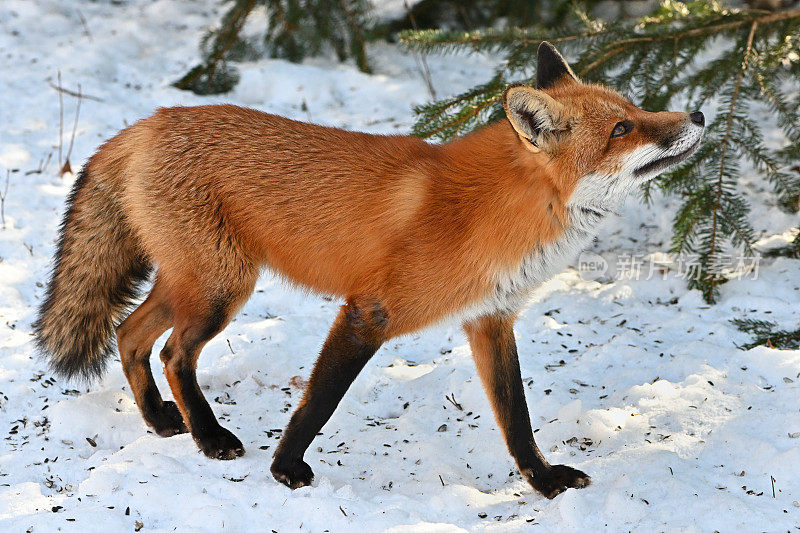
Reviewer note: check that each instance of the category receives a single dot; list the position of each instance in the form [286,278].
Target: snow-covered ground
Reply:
[636,382]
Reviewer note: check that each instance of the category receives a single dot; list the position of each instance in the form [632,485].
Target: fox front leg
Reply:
[495,352]
[357,333]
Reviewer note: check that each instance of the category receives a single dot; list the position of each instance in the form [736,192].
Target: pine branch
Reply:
[487,40]
[440,121]
[725,142]
[766,335]
[225,37]
[294,30]
[704,28]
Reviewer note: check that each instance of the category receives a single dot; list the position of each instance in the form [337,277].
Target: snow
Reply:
[635,381]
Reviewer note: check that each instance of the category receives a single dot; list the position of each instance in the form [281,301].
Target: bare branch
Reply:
[3,199]
[76,94]
[60,119]
[85,26]
[75,124]
[422,62]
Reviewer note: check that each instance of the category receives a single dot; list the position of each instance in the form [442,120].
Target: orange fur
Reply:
[419,227]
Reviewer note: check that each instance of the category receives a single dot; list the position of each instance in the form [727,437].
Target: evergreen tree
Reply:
[750,62]
[294,29]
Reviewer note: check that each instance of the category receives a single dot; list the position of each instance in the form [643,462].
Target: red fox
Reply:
[407,233]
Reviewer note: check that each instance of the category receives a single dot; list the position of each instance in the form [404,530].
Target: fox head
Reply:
[596,141]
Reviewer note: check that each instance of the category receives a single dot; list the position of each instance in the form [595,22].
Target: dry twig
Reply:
[422,63]
[3,199]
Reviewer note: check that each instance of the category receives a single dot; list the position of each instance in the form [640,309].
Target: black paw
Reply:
[219,443]
[293,474]
[556,479]
[167,421]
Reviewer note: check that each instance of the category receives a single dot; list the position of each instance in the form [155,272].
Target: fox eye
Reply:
[622,128]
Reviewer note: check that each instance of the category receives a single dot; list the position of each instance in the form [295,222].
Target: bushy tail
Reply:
[97,268]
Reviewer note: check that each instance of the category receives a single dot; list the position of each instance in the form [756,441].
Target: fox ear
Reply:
[551,67]
[537,118]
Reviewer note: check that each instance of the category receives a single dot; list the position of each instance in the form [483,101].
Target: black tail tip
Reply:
[70,365]
[82,372]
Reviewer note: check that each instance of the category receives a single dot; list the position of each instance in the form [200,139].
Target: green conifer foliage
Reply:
[740,67]
[294,29]
[766,334]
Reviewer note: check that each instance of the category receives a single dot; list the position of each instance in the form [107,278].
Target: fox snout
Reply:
[673,148]
[688,135]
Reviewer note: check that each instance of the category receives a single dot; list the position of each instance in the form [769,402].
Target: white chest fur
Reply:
[512,288]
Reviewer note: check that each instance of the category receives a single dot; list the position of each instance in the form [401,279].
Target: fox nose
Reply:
[697,118]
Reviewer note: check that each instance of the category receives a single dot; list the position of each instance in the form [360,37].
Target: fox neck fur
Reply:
[539,222]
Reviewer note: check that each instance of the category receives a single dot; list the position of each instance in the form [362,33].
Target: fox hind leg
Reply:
[135,338]
[196,322]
